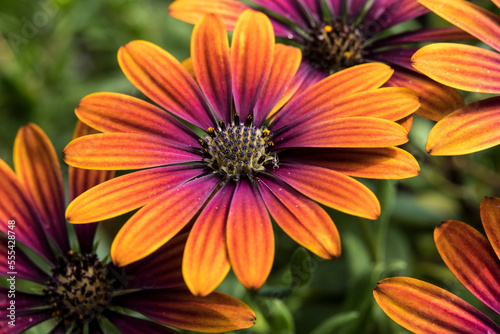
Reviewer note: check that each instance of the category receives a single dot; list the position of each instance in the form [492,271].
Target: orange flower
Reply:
[474,127]
[237,168]
[474,259]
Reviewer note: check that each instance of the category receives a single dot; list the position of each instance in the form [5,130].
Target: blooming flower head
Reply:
[337,34]
[474,127]
[474,259]
[81,291]
[236,168]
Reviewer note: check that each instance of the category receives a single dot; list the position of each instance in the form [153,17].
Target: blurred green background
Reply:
[54,52]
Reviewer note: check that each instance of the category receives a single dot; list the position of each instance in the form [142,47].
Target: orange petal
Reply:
[286,62]
[210,55]
[122,151]
[490,216]
[373,163]
[126,193]
[359,132]
[215,313]
[163,79]
[38,169]
[421,307]
[469,129]
[112,112]
[344,83]
[192,10]
[470,257]
[205,262]
[460,66]
[250,238]
[252,49]
[331,188]
[302,219]
[161,219]
[437,100]
[472,18]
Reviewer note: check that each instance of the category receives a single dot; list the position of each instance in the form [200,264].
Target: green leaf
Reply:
[332,324]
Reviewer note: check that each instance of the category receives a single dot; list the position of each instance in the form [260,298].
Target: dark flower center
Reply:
[79,288]
[238,149]
[335,46]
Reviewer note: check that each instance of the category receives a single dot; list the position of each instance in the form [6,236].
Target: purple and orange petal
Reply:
[470,257]
[38,170]
[331,188]
[24,267]
[422,308]
[252,51]
[162,78]
[469,129]
[250,236]
[301,218]
[490,216]
[179,308]
[160,220]
[133,325]
[460,66]
[206,262]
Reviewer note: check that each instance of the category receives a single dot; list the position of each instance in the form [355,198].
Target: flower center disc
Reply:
[336,46]
[79,288]
[238,149]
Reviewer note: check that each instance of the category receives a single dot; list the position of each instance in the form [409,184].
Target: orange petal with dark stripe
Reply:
[470,17]
[469,129]
[349,132]
[252,49]
[38,170]
[205,262]
[160,220]
[373,163]
[165,81]
[112,112]
[123,151]
[193,10]
[126,193]
[437,100]
[344,83]
[210,56]
[331,188]
[424,308]
[469,255]
[250,237]
[301,218]
[460,66]
[490,216]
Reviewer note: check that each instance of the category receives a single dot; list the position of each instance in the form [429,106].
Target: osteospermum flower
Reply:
[81,290]
[474,127]
[337,34]
[474,259]
[237,169]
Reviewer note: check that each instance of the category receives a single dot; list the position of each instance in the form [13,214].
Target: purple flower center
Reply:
[335,46]
[238,149]
[79,289]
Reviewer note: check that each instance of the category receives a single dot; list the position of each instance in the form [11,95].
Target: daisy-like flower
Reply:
[81,291]
[337,34]
[474,127]
[474,259]
[238,168]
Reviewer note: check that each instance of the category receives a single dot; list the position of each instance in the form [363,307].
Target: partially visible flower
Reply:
[474,259]
[241,169]
[338,34]
[81,290]
[474,127]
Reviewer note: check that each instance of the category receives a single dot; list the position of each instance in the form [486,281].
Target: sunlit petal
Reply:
[331,188]
[250,237]
[469,129]
[424,308]
[470,257]
[460,66]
